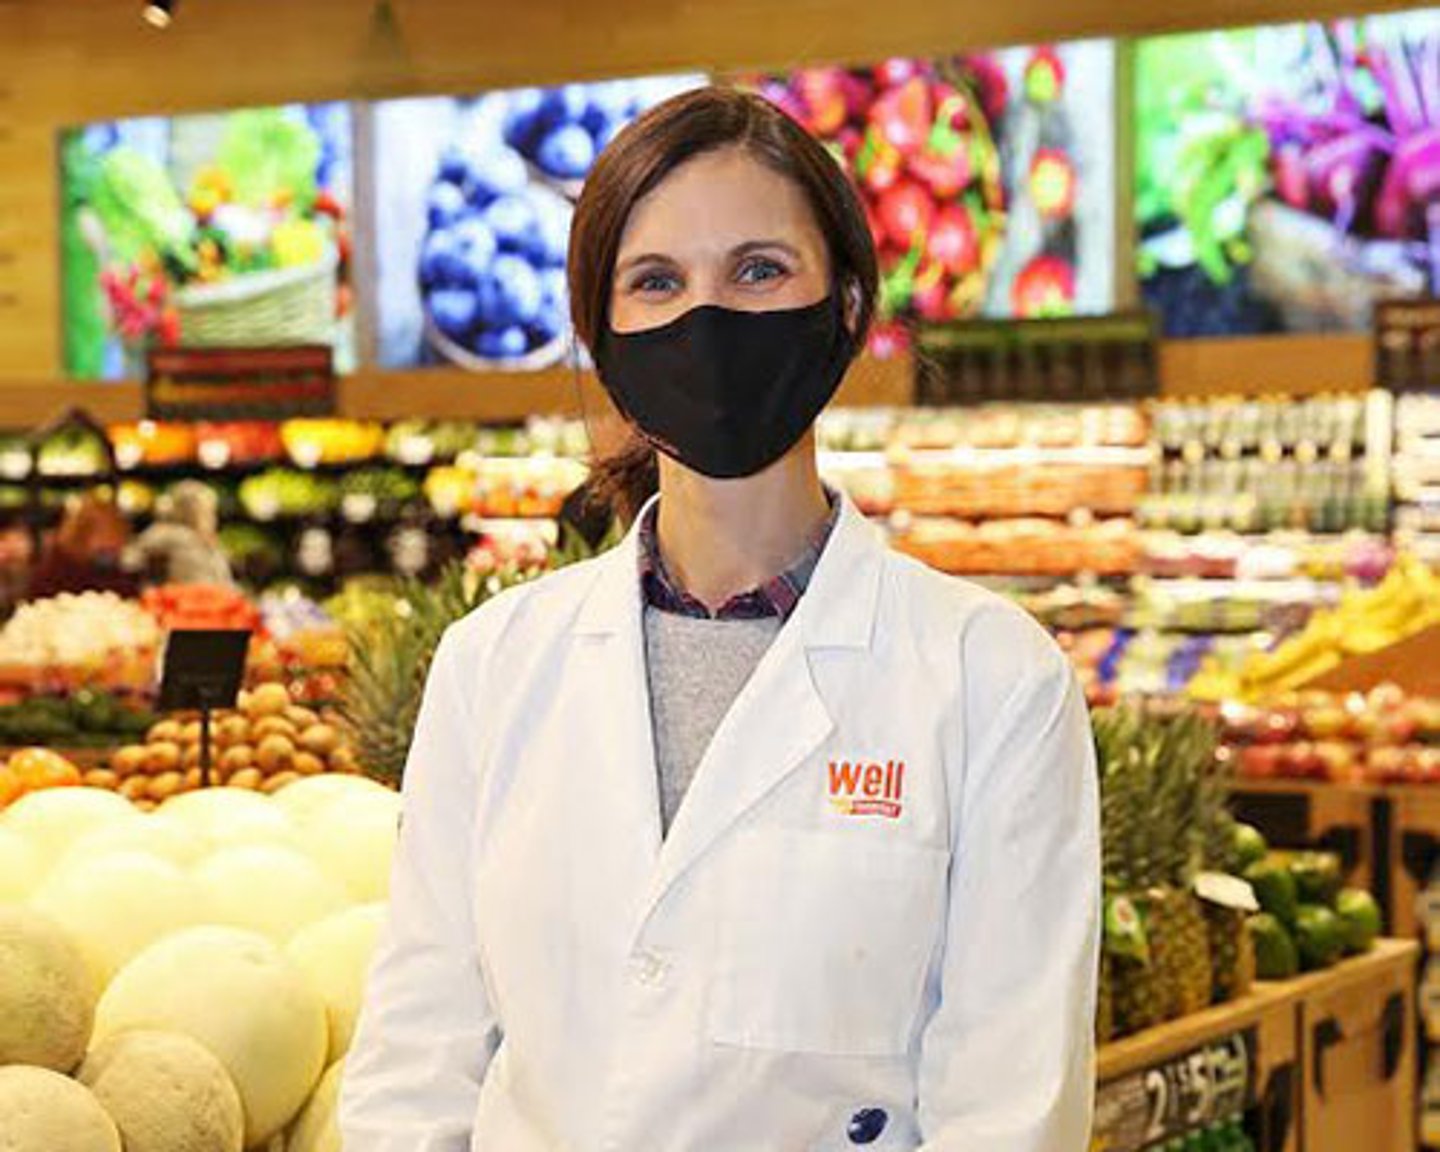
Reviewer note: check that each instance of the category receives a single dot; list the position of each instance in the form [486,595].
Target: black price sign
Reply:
[1185,1094]
[240,383]
[1085,358]
[1407,345]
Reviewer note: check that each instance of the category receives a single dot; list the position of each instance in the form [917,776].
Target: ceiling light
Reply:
[159,13]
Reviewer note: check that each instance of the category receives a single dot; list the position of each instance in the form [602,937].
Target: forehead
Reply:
[715,202]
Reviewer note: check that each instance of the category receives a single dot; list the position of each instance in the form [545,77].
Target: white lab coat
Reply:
[814,943]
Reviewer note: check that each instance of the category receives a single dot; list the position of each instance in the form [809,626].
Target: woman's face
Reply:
[722,229]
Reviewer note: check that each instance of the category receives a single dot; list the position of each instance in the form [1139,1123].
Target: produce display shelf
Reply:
[969,457]
[1307,1058]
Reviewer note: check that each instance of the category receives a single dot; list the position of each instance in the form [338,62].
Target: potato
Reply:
[134,787]
[278,781]
[101,778]
[128,761]
[190,733]
[250,778]
[308,764]
[190,781]
[165,785]
[146,805]
[165,732]
[343,760]
[164,757]
[239,757]
[321,739]
[191,756]
[267,700]
[301,717]
[274,726]
[231,731]
[274,754]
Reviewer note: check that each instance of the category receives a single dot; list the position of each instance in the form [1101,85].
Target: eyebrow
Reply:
[737,252]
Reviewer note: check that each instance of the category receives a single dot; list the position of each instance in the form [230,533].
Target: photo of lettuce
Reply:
[209,229]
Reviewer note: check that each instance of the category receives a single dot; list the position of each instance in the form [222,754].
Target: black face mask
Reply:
[728,393]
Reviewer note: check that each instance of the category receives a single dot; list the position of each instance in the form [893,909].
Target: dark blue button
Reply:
[867,1124]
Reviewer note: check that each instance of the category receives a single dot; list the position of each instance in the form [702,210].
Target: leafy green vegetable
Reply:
[85,326]
[269,158]
[141,211]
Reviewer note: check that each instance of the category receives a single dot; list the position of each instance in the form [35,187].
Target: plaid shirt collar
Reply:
[778,596]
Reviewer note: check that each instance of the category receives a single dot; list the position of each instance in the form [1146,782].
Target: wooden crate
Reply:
[1358,1053]
[1338,818]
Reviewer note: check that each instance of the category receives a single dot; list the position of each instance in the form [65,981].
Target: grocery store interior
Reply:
[288,386]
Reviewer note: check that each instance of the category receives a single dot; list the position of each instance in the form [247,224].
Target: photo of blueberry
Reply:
[492,171]
[519,290]
[567,151]
[445,205]
[511,218]
[867,1125]
[502,343]
[454,311]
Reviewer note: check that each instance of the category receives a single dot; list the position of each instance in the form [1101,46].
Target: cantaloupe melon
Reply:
[47,997]
[116,905]
[336,954]
[353,840]
[42,1111]
[53,819]
[230,816]
[268,889]
[19,868]
[243,999]
[153,834]
[318,1128]
[311,795]
[166,1092]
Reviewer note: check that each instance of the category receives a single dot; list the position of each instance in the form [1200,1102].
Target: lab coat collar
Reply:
[836,611]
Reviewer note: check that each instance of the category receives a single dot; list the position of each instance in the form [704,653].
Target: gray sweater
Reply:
[695,668]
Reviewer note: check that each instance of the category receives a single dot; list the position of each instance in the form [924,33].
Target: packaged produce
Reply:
[93,636]
[202,606]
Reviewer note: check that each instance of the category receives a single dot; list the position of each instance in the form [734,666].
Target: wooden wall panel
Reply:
[64,62]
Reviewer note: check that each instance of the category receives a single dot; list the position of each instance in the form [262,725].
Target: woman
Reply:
[183,545]
[750,834]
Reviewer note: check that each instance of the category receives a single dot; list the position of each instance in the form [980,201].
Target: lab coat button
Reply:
[867,1124]
[650,969]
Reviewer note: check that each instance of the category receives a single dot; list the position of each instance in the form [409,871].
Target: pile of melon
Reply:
[265,743]
[187,980]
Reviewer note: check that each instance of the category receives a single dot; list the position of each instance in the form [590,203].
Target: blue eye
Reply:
[654,282]
[759,271]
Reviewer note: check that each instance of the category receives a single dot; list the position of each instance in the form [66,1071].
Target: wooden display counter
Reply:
[1236,1057]
[1358,1048]
[1320,1063]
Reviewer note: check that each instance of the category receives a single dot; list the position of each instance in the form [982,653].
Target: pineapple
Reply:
[1155,799]
[390,658]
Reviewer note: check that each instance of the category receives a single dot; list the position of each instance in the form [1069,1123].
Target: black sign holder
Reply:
[203,671]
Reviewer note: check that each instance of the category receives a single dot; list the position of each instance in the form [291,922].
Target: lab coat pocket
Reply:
[824,941]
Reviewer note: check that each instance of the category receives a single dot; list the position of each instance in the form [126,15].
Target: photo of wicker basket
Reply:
[279,306]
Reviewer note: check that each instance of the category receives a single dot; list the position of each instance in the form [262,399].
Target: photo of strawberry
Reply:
[982,194]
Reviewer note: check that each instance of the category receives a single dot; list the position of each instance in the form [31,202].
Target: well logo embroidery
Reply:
[861,788]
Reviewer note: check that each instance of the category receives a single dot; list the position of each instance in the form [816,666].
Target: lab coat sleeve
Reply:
[1007,1057]
[426,1031]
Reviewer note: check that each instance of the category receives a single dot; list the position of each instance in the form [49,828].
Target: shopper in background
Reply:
[749,834]
[183,545]
[84,553]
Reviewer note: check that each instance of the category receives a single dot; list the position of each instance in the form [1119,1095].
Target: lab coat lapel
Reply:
[621,758]
[780,717]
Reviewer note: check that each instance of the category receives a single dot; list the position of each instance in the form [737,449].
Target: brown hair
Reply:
[645,153]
